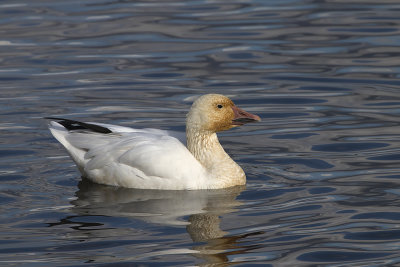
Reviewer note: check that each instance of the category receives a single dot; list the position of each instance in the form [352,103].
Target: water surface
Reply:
[322,166]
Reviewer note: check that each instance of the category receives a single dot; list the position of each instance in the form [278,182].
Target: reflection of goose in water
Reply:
[159,206]
[202,208]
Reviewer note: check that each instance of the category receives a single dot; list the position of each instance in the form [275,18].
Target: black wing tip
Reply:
[71,125]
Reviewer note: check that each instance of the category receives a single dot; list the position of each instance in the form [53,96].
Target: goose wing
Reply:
[136,158]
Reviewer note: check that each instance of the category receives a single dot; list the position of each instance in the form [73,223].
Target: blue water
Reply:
[323,165]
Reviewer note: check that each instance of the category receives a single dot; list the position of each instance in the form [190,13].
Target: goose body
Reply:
[155,159]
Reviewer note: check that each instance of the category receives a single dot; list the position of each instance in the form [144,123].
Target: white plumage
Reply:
[154,159]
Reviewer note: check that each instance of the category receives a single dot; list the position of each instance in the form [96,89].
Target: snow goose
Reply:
[154,159]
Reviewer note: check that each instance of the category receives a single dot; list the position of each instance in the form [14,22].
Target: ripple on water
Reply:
[348,147]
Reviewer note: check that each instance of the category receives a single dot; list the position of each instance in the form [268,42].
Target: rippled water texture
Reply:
[323,165]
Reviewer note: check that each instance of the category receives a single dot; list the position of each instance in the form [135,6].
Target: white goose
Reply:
[153,159]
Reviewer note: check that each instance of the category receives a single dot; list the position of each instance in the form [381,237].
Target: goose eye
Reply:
[220,106]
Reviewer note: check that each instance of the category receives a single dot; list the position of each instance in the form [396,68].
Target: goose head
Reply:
[215,113]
